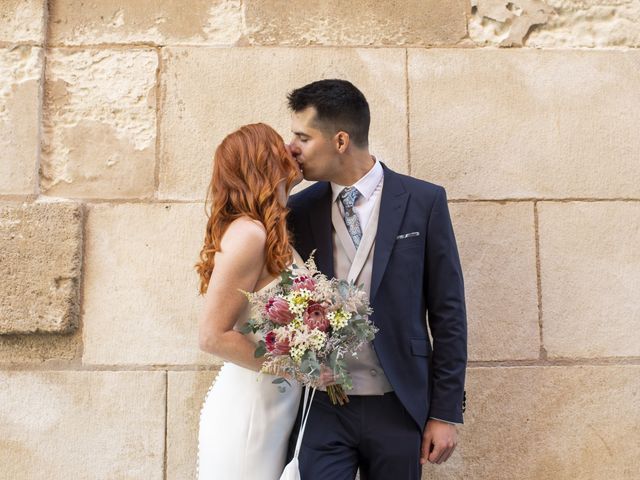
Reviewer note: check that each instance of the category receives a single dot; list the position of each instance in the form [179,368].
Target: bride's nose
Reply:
[294,149]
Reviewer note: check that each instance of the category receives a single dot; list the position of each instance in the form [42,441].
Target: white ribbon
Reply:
[292,470]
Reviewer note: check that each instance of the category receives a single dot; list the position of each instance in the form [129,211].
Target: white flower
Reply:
[298,301]
[339,319]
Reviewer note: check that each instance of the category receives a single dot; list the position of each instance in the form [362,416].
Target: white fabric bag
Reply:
[292,470]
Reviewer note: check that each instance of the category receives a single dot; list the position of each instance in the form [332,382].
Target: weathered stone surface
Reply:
[43,348]
[20,70]
[82,425]
[40,264]
[218,22]
[506,23]
[141,299]
[533,423]
[521,124]
[497,251]
[589,23]
[590,274]
[214,22]
[364,22]
[22,21]
[99,127]
[186,395]
[204,100]
[556,23]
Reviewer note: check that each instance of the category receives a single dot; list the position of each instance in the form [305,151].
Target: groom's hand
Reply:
[439,440]
[326,377]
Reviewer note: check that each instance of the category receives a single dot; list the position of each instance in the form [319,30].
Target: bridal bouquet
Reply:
[309,324]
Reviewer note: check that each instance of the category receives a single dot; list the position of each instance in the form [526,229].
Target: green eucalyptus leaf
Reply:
[246,329]
[261,349]
[309,362]
[343,288]
[286,278]
[333,360]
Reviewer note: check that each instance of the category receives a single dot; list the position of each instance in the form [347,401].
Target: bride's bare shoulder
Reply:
[244,233]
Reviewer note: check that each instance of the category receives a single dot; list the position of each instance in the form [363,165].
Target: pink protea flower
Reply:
[303,281]
[276,347]
[315,317]
[278,311]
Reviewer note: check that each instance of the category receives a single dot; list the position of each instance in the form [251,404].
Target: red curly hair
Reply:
[247,167]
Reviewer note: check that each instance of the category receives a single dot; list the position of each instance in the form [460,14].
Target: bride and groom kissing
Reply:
[388,232]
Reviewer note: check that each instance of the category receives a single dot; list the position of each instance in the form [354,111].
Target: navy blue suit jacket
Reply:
[413,279]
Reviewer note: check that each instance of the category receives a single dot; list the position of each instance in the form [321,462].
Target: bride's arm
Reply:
[238,265]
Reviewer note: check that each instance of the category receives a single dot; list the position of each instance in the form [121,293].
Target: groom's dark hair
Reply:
[339,106]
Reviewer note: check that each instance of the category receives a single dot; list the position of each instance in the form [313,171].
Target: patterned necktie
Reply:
[348,197]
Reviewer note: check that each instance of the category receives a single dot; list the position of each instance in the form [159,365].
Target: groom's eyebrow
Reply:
[300,134]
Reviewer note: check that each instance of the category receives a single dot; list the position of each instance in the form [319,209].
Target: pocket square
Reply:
[408,235]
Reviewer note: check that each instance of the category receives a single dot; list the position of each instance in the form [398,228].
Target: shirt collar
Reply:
[366,185]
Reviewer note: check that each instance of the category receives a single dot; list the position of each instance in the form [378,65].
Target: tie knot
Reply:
[348,196]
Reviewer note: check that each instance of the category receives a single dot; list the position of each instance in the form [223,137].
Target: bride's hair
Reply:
[247,167]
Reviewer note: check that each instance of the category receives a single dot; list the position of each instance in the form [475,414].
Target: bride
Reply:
[245,421]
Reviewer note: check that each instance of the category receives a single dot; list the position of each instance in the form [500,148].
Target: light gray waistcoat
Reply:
[349,264]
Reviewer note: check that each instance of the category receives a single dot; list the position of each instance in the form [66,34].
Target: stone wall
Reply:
[110,112]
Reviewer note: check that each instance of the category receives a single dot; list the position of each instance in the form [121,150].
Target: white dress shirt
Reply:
[370,186]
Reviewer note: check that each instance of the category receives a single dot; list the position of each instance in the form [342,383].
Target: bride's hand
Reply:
[278,373]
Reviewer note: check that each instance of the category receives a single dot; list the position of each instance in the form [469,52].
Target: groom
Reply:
[393,234]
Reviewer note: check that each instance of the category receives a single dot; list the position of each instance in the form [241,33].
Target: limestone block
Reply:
[501,124]
[208,93]
[497,252]
[214,22]
[20,70]
[589,23]
[533,423]
[40,264]
[363,22]
[42,348]
[141,301]
[99,129]
[82,425]
[590,274]
[186,394]
[22,21]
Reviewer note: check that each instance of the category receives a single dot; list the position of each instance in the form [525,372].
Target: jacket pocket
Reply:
[420,346]
[407,242]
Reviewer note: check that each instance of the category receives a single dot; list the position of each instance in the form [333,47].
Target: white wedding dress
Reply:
[245,421]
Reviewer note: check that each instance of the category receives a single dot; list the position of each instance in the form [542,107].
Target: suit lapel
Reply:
[393,204]
[320,221]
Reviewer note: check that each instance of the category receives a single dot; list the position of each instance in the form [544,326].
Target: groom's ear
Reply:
[342,141]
